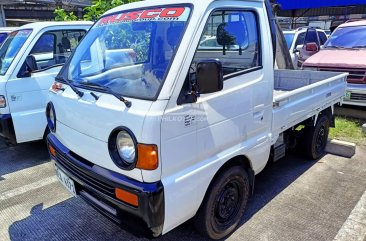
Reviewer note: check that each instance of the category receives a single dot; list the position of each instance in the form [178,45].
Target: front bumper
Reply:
[356,95]
[96,185]
[7,128]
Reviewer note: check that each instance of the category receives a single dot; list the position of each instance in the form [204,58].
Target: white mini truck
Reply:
[30,58]
[152,130]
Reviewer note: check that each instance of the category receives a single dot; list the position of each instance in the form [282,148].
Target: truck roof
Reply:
[203,4]
[41,25]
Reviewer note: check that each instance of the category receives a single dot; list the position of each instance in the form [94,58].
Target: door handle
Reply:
[259,115]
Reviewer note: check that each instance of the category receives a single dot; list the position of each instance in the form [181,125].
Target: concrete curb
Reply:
[341,148]
[364,128]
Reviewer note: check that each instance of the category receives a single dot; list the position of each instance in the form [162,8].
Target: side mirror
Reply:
[298,48]
[210,77]
[31,63]
[311,47]
[28,67]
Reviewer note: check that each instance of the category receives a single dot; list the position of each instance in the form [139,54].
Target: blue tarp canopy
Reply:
[306,8]
[301,4]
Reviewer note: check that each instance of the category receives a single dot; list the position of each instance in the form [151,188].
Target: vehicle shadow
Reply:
[75,220]
[15,158]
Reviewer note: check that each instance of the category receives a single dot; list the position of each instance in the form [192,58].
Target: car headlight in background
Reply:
[123,148]
[51,117]
[2,101]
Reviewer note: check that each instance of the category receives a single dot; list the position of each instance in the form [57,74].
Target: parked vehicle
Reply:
[304,42]
[182,132]
[211,43]
[30,58]
[4,33]
[345,51]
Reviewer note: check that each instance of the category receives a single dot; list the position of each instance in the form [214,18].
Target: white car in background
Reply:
[30,58]
[295,40]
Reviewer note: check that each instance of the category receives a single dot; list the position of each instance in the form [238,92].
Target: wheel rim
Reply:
[320,139]
[227,204]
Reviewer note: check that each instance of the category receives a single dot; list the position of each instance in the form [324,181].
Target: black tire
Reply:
[224,204]
[316,138]
[46,132]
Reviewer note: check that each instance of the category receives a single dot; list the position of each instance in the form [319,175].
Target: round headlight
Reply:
[126,147]
[122,146]
[51,117]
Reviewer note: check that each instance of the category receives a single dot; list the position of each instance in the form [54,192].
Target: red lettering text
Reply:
[172,12]
[132,15]
[151,13]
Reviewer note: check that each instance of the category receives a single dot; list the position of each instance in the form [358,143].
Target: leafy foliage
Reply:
[62,15]
[92,12]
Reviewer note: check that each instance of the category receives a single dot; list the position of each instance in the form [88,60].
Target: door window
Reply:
[233,38]
[323,38]
[300,39]
[54,47]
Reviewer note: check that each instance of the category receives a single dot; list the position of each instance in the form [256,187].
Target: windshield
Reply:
[348,37]
[289,37]
[11,47]
[129,52]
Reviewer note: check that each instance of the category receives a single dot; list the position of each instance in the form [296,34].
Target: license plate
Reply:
[66,181]
[347,95]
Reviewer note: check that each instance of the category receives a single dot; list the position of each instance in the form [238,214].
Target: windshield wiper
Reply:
[337,47]
[62,79]
[359,47]
[108,91]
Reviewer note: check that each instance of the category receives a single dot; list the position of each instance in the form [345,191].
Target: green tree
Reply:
[92,12]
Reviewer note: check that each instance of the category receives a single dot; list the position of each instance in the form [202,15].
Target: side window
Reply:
[45,44]
[300,39]
[233,38]
[53,48]
[323,38]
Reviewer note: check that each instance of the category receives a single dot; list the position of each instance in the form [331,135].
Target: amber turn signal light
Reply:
[127,197]
[147,157]
[52,150]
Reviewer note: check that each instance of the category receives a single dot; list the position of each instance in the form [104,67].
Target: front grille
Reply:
[357,96]
[356,75]
[88,179]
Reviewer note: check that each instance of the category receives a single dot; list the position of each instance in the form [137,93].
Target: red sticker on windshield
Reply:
[158,14]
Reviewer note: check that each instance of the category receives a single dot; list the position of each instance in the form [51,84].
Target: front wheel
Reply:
[224,204]
[316,138]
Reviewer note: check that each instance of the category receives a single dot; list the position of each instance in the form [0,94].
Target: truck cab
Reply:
[31,57]
[152,128]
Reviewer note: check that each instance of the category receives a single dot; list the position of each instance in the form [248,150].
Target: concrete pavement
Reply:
[295,199]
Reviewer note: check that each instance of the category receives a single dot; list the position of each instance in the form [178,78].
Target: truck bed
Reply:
[299,95]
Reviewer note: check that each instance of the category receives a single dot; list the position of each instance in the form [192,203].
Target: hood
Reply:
[85,124]
[351,61]
[98,118]
[337,58]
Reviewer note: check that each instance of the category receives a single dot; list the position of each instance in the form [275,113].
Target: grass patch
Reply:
[348,130]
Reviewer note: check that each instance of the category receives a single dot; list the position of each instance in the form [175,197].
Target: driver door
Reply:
[27,91]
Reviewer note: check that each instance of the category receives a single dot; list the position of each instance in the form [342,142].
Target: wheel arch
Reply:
[240,160]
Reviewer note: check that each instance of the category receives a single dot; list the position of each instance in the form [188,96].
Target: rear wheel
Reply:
[316,138]
[224,204]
